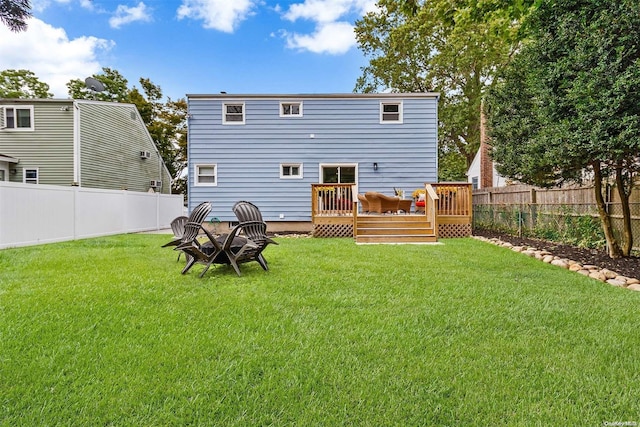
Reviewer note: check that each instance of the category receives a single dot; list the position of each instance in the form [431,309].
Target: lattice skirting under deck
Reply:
[454,230]
[333,230]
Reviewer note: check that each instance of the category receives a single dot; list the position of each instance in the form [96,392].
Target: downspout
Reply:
[76,164]
[160,168]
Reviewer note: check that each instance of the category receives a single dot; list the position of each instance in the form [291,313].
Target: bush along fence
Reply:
[567,215]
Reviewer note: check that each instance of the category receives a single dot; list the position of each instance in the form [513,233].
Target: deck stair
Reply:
[394,229]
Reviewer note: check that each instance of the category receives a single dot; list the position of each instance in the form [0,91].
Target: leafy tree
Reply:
[569,103]
[22,84]
[116,87]
[14,14]
[449,46]
[173,117]
[166,122]
[451,166]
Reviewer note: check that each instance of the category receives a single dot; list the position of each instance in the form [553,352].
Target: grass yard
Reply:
[106,331]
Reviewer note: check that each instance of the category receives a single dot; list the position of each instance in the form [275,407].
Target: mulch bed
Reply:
[629,266]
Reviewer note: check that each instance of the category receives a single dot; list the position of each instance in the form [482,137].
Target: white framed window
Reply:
[391,112]
[30,176]
[291,171]
[291,109]
[18,118]
[233,113]
[206,175]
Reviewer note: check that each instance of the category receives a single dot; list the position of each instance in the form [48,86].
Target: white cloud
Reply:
[222,15]
[325,11]
[334,38]
[87,4]
[41,5]
[332,34]
[48,52]
[127,15]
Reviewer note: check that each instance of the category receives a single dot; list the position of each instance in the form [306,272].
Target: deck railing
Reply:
[447,208]
[454,199]
[451,199]
[431,203]
[331,199]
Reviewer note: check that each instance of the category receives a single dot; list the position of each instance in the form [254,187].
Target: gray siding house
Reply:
[75,142]
[269,149]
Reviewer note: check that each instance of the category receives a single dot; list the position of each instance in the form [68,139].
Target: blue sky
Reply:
[193,46]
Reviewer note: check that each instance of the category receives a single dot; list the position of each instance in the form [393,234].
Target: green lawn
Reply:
[107,332]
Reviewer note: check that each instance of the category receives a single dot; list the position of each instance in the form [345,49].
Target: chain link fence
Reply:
[576,224]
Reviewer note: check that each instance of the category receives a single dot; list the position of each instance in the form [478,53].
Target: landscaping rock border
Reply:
[601,274]
[293,235]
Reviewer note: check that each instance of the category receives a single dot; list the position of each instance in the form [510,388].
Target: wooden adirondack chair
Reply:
[177,227]
[252,226]
[190,234]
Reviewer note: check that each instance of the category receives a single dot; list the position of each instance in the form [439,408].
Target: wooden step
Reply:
[394,229]
[392,218]
[393,224]
[364,231]
[396,239]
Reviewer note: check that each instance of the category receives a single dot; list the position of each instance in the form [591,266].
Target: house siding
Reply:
[333,130]
[49,147]
[103,150]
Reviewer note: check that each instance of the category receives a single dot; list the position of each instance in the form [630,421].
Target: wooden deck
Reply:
[447,214]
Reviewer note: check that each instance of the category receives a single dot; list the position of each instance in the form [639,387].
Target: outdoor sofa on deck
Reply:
[381,203]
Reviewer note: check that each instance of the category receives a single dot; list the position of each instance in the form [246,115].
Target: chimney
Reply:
[486,164]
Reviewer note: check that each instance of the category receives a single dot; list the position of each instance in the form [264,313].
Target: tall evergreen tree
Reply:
[570,103]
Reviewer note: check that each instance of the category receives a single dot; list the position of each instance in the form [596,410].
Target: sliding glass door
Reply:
[338,173]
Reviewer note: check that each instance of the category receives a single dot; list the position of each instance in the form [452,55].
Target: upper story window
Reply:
[233,113]
[30,176]
[291,109]
[391,112]
[206,175]
[18,118]
[291,170]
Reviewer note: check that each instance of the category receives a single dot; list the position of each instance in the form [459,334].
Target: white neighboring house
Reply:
[482,172]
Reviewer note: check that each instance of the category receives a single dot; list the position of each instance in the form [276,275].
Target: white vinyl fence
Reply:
[35,214]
